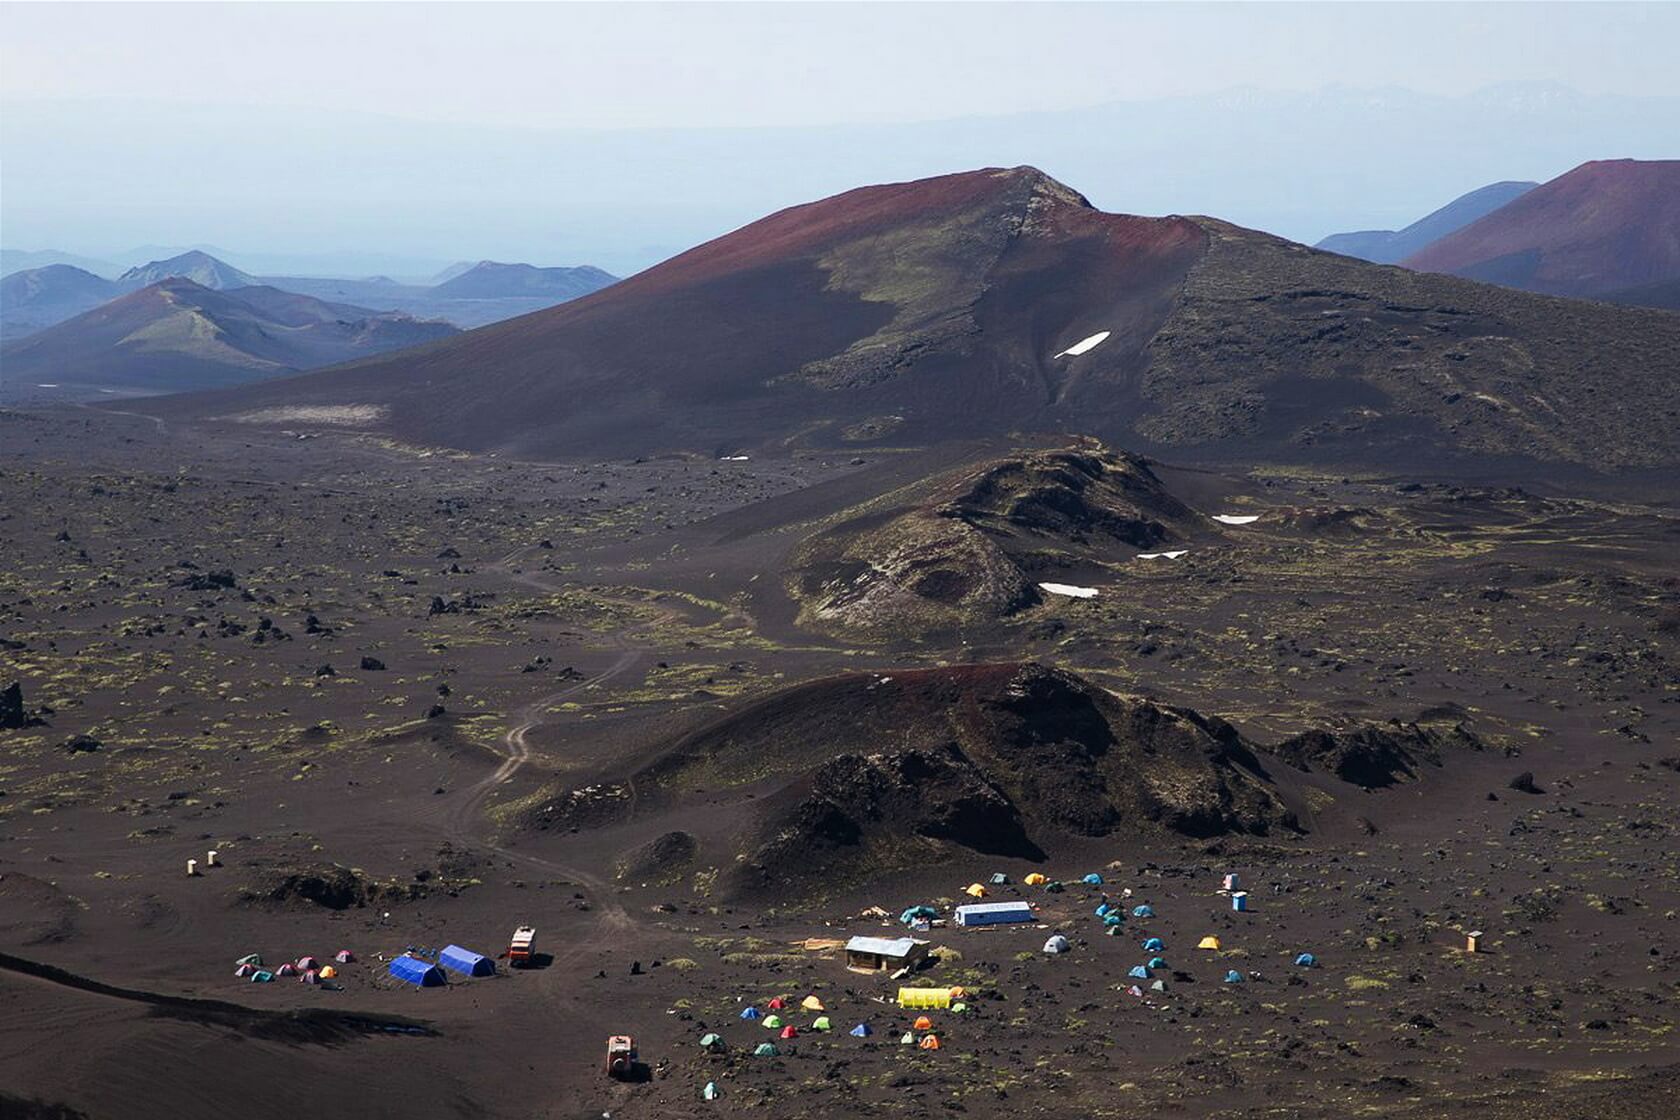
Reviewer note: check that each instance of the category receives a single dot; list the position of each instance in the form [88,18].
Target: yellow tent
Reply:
[1035,880]
[938,999]
[975,890]
[1208,942]
[812,1003]
[328,972]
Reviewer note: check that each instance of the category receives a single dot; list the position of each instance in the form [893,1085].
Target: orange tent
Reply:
[931,1042]
[923,1024]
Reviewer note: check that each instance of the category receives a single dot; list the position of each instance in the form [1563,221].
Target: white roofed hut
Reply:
[884,954]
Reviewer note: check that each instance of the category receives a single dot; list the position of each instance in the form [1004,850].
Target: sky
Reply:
[342,128]
[688,65]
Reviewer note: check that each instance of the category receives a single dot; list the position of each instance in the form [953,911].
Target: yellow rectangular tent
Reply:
[925,998]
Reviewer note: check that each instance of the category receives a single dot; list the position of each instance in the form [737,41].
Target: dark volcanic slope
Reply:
[948,307]
[866,772]
[1601,228]
[971,547]
[1391,246]
[177,334]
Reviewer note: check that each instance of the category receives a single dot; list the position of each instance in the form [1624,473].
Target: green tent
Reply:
[821,1023]
[254,959]
[773,1022]
[767,1050]
[958,1008]
[712,1041]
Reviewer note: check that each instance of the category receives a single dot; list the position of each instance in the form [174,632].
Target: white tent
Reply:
[1056,944]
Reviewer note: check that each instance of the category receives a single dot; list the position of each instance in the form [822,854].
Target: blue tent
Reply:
[1306,960]
[1112,921]
[466,962]
[1094,879]
[1143,911]
[1157,962]
[749,1012]
[915,912]
[862,1030]
[416,971]
[1154,945]
[1139,971]
[1233,977]
[1103,909]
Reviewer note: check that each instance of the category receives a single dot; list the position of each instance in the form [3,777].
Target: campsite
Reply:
[583,800]
[451,800]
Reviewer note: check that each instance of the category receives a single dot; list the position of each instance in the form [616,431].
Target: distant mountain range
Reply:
[493,280]
[1606,230]
[199,267]
[1390,246]
[478,294]
[177,334]
[1000,301]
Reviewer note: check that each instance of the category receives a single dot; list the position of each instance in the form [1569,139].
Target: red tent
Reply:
[790,1031]
[778,1003]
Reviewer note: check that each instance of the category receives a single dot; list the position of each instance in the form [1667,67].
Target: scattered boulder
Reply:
[1524,783]
[82,744]
[373,665]
[12,715]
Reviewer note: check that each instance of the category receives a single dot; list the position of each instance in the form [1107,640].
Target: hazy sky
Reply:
[615,65]
[359,138]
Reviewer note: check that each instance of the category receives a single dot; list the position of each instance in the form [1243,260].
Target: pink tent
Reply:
[344,956]
[310,977]
[244,970]
[304,964]
[287,969]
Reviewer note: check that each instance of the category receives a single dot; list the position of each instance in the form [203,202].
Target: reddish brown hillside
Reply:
[1603,227]
[999,301]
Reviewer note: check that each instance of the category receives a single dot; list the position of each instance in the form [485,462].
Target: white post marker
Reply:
[210,857]
[192,867]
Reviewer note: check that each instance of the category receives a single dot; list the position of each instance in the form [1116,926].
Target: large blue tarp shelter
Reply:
[466,962]
[413,970]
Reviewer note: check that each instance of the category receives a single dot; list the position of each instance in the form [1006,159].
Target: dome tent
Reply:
[749,1012]
[1208,942]
[1056,944]
[766,1050]
[862,1030]
[1233,977]
[1307,960]
[1153,945]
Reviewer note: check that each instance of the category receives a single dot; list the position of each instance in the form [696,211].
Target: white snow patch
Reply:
[1069,590]
[734,458]
[1236,518]
[1084,345]
[47,385]
[1174,555]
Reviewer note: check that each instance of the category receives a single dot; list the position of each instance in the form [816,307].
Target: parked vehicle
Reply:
[621,1057]
[519,950]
